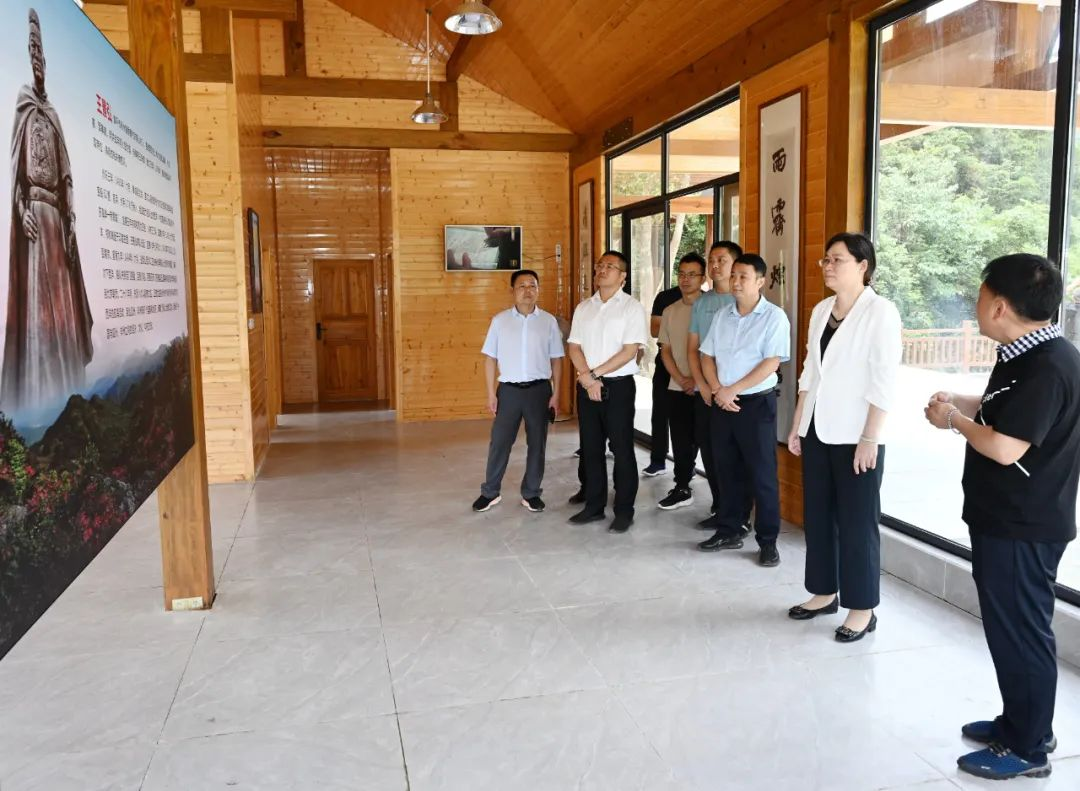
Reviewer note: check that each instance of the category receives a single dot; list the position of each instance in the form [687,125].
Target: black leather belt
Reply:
[525,385]
[762,394]
[616,378]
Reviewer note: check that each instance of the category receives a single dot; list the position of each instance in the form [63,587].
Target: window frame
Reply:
[1065,136]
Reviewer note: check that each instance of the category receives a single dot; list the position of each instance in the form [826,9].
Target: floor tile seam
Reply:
[294,575]
[176,692]
[390,675]
[285,635]
[394,622]
[617,697]
[412,711]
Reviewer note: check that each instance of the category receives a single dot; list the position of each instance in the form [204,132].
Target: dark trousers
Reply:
[841,512]
[660,413]
[1015,581]
[609,421]
[744,444]
[516,404]
[703,437]
[682,417]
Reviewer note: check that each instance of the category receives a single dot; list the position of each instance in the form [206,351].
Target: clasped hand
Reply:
[938,409]
[727,398]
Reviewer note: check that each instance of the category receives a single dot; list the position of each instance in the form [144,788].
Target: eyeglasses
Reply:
[835,262]
[689,275]
[602,267]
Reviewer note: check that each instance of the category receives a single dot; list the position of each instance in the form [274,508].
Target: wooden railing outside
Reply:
[959,350]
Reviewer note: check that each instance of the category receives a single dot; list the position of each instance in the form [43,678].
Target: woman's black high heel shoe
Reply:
[845,635]
[800,613]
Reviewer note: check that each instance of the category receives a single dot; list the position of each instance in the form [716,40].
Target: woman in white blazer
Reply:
[853,354]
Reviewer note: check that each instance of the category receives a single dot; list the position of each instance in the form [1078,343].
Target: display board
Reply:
[95,384]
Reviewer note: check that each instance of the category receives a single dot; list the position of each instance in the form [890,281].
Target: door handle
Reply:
[318,330]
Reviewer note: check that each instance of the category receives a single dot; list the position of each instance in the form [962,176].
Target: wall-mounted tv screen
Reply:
[482,248]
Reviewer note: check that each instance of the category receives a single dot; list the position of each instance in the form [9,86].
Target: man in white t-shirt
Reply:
[607,331]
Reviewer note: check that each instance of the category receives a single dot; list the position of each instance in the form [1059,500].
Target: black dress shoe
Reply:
[800,613]
[845,635]
[720,541]
[620,524]
[584,517]
[768,555]
[709,523]
[578,498]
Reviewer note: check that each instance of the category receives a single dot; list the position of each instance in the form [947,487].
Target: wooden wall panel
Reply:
[442,317]
[271,47]
[480,109]
[808,70]
[329,205]
[112,20]
[216,199]
[342,45]
[262,330]
[330,111]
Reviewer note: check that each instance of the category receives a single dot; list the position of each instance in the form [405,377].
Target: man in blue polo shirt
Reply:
[740,357]
[521,342]
[1020,480]
[721,257]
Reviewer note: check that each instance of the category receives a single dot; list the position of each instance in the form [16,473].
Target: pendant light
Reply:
[428,111]
[473,18]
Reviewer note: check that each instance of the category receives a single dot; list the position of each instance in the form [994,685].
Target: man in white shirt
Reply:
[740,356]
[521,342]
[607,331]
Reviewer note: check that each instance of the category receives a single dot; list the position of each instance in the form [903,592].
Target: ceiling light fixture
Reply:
[473,18]
[428,111]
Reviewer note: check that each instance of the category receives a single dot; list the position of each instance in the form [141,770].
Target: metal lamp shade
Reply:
[429,112]
[473,18]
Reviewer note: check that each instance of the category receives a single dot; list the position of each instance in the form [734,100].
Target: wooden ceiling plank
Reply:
[343,88]
[951,105]
[350,137]
[255,9]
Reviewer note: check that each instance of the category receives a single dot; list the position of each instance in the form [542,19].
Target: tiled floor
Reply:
[372,633]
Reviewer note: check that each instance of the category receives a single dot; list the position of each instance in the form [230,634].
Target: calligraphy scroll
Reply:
[780,231]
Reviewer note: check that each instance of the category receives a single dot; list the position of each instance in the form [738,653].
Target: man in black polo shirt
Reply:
[1020,481]
[660,381]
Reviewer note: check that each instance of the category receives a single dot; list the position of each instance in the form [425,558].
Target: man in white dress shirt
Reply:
[521,342]
[607,331]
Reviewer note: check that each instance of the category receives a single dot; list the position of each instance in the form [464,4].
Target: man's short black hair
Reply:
[620,256]
[754,260]
[521,273]
[693,258]
[861,248]
[1030,283]
[728,245]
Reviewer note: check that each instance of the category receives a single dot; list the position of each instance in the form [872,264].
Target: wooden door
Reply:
[345,335]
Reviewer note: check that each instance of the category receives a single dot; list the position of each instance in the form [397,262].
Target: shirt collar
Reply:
[760,307]
[523,316]
[1025,343]
[616,297]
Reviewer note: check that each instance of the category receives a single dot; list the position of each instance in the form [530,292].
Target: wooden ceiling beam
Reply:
[201,67]
[944,105]
[341,88]
[254,9]
[349,137]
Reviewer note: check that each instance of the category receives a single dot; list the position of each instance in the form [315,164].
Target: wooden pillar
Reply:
[183,502]
[846,132]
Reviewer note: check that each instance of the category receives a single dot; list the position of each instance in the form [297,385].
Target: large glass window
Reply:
[671,194]
[962,173]
[636,175]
